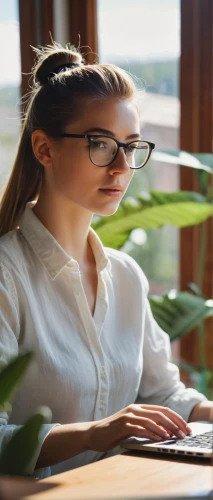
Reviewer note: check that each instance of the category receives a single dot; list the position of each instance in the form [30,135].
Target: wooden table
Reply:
[129,475]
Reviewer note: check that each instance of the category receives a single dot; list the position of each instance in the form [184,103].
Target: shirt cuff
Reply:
[45,471]
[183,402]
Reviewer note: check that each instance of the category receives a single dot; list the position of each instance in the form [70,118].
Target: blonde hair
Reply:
[61,82]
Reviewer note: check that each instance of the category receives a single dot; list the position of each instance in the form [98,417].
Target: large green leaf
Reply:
[179,209]
[199,161]
[18,453]
[196,289]
[179,312]
[12,374]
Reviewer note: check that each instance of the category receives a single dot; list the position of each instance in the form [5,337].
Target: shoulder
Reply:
[122,263]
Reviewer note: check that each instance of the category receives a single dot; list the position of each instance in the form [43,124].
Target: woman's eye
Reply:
[99,144]
[131,150]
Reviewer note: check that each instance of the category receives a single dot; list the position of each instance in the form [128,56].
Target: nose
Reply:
[119,164]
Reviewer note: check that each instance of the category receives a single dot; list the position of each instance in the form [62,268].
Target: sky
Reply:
[139,29]
[9,43]
[128,29]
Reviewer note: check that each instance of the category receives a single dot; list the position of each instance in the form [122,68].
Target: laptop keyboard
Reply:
[204,440]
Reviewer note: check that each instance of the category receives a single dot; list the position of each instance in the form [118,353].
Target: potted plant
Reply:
[17,454]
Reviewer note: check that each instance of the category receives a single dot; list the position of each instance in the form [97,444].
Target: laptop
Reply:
[198,444]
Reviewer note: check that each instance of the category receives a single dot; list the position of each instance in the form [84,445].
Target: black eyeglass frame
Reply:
[123,145]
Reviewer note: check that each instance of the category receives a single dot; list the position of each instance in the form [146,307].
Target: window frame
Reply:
[36,27]
[196,135]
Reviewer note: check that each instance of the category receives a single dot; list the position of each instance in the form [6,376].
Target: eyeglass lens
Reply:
[103,150]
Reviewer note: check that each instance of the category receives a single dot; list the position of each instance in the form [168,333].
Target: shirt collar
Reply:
[51,254]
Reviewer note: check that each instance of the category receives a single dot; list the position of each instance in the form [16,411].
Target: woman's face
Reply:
[74,177]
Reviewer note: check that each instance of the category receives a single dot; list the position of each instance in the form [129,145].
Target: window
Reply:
[10,77]
[133,38]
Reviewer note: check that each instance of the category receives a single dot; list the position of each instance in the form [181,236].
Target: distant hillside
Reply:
[161,77]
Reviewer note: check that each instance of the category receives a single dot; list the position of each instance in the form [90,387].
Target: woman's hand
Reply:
[68,440]
[152,422]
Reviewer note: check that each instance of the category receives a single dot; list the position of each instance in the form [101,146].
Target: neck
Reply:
[68,223]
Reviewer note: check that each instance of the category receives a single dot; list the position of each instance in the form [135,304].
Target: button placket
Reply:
[77,287]
[93,327]
[101,305]
[101,404]
[103,393]
[103,379]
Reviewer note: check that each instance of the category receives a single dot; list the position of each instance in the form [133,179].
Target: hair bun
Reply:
[52,59]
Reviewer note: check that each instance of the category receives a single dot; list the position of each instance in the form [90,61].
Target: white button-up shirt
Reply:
[85,367]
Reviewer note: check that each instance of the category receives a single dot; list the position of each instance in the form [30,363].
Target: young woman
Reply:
[81,308]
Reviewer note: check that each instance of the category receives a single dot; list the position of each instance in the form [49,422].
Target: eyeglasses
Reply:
[103,150]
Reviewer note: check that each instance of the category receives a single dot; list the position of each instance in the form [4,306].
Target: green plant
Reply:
[17,454]
[176,312]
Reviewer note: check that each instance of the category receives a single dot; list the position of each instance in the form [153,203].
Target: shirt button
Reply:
[101,404]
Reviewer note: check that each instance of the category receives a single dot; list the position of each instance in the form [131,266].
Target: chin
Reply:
[107,211]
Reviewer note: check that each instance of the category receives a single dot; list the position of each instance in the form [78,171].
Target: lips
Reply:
[114,187]
[114,191]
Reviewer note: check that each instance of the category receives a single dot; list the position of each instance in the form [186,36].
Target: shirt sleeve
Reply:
[160,383]
[9,335]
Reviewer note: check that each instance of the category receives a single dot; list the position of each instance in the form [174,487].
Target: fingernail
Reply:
[181,434]
[166,435]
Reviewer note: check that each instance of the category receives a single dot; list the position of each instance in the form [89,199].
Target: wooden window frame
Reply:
[83,27]
[196,135]
[36,28]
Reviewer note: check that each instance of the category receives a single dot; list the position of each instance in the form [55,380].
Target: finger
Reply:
[168,431]
[172,415]
[178,420]
[162,420]
[165,410]
[149,425]
[138,431]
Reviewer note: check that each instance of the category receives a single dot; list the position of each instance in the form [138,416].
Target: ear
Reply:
[42,150]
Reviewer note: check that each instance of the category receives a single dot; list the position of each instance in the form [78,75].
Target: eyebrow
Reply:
[108,132]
